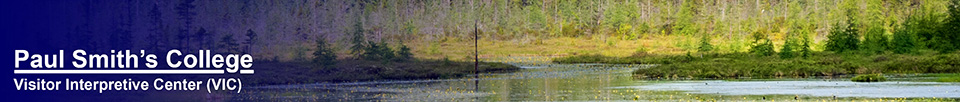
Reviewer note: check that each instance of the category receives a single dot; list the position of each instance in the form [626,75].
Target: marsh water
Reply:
[540,80]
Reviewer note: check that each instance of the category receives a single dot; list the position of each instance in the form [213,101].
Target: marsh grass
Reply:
[562,46]
[739,65]
[943,77]
[362,70]
[746,65]
[869,78]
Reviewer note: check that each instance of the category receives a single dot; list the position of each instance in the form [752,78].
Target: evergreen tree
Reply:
[403,54]
[761,44]
[789,47]
[185,11]
[805,50]
[687,14]
[925,26]
[377,51]
[251,37]
[904,41]
[905,38]
[843,38]
[386,52]
[705,44]
[875,41]
[358,40]
[156,32]
[949,38]
[121,37]
[204,37]
[324,56]
[227,44]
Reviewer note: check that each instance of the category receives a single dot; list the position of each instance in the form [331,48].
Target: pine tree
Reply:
[377,51]
[761,44]
[904,41]
[386,52]
[227,44]
[185,11]
[805,50]
[705,44]
[251,37]
[905,38]
[788,50]
[403,54]
[844,38]
[875,41]
[687,14]
[156,32]
[949,38]
[324,56]
[204,37]
[358,40]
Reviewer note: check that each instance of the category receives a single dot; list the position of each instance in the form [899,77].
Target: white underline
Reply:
[246,71]
[126,71]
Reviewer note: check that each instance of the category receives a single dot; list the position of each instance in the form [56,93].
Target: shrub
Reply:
[869,78]
[761,44]
[624,30]
[763,49]
[571,29]
[640,51]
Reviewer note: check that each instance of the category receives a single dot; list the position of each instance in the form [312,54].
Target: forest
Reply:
[611,31]
[287,30]
[520,50]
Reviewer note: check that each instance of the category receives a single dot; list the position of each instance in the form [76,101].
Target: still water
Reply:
[541,80]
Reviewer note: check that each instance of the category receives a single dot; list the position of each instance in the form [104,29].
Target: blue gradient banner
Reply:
[120,50]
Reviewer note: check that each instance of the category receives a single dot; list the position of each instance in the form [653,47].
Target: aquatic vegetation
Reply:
[952,77]
[645,59]
[869,78]
[949,79]
[365,70]
[823,64]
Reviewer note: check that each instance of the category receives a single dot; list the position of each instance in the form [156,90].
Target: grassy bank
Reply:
[646,59]
[743,65]
[458,49]
[819,64]
[363,70]
[869,78]
[943,77]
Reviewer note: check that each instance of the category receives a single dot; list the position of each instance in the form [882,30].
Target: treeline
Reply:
[287,30]
[919,31]
[324,55]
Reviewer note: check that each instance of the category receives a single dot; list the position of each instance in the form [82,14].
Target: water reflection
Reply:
[543,81]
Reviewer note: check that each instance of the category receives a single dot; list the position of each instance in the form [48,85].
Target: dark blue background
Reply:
[44,27]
